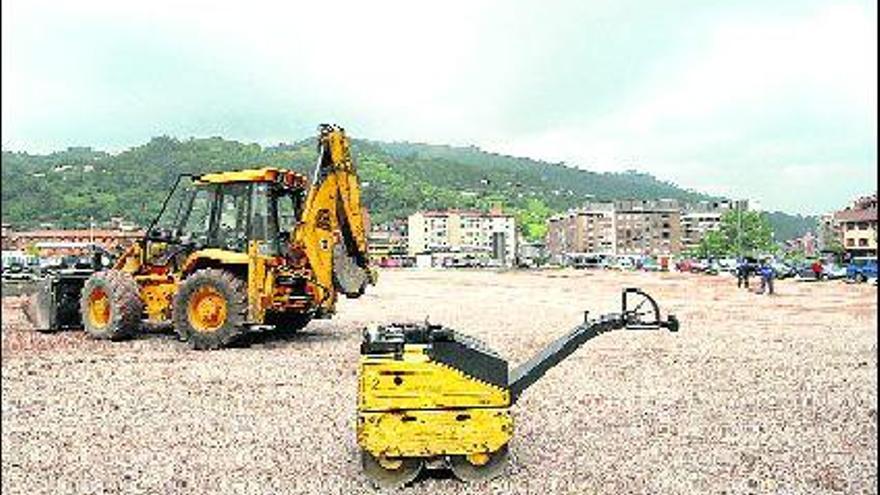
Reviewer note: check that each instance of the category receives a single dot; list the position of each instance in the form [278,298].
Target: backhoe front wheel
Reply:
[210,309]
[111,305]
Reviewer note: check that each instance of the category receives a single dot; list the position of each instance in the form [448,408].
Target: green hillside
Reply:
[67,188]
[787,226]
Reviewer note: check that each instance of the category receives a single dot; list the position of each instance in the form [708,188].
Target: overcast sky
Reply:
[774,101]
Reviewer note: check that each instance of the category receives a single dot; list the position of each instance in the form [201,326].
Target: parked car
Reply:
[624,263]
[862,269]
[16,271]
[833,271]
[590,262]
[464,262]
[683,265]
[713,267]
[783,270]
[727,265]
[804,271]
[699,266]
[650,265]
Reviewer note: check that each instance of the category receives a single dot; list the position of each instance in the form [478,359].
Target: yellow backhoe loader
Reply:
[229,253]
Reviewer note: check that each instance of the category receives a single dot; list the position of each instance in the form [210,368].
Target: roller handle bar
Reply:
[631,317]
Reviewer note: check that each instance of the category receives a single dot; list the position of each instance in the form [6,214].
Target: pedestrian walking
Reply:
[817,269]
[742,274]
[767,275]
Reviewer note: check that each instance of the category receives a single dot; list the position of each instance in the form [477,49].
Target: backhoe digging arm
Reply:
[332,230]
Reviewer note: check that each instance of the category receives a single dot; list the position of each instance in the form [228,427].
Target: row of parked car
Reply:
[16,270]
[620,262]
[857,270]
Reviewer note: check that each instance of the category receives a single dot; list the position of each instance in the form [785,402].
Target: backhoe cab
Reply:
[232,252]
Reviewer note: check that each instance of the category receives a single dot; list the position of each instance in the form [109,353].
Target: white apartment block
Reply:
[492,234]
[695,226]
[698,219]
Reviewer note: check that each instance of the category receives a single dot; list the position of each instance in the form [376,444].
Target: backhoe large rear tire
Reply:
[210,309]
[111,305]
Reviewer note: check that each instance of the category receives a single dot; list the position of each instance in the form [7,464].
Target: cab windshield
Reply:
[228,215]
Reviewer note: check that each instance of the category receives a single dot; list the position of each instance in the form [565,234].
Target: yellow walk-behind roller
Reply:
[431,396]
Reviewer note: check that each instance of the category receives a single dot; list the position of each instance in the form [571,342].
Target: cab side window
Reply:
[286,213]
[197,221]
[232,222]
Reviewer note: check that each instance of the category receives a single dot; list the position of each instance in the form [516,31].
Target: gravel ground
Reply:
[755,394]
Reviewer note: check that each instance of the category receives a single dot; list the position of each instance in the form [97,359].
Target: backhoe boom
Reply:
[332,230]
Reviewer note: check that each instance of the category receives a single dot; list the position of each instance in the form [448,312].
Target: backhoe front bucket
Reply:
[40,306]
[53,303]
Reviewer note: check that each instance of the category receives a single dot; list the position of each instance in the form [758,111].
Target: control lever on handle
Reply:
[644,313]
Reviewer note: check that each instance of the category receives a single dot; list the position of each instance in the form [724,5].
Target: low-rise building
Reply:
[120,223]
[491,235]
[829,234]
[387,245]
[806,245]
[858,227]
[6,240]
[54,242]
[531,253]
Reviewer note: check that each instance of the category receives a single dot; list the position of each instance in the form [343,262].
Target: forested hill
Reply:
[464,167]
[67,188]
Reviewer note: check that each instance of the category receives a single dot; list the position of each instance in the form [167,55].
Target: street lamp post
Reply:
[739,228]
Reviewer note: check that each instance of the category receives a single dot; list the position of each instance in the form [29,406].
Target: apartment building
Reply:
[586,230]
[491,235]
[647,227]
[858,226]
[625,227]
[829,235]
[700,218]
[695,226]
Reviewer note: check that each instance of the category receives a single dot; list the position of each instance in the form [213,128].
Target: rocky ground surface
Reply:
[755,394]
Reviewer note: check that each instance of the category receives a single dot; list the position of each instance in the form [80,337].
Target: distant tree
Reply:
[532,219]
[741,233]
[834,245]
[713,245]
[795,256]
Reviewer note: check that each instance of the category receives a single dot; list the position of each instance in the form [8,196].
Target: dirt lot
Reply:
[754,394]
